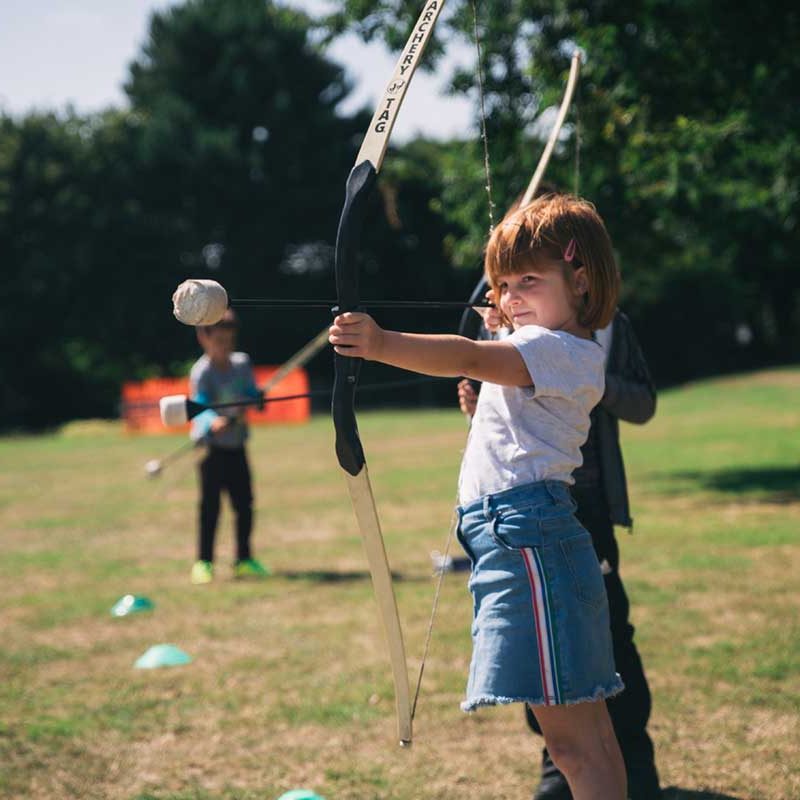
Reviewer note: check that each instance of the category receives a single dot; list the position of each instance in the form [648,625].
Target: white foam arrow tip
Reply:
[199,302]
[173,410]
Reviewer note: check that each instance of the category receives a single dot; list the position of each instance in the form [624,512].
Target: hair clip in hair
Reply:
[569,251]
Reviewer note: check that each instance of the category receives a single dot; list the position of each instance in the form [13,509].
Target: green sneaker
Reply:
[202,572]
[250,568]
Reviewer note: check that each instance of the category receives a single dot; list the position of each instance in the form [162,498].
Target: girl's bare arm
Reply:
[357,335]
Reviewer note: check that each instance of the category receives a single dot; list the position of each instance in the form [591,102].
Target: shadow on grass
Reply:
[340,576]
[676,793]
[775,484]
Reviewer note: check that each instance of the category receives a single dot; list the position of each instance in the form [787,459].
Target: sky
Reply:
[58,52]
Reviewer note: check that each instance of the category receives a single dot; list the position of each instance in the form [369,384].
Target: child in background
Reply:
[541,631]
[222,376]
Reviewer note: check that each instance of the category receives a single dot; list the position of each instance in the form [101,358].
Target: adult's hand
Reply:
[467,398]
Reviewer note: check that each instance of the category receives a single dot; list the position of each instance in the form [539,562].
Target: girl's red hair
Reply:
[544,230]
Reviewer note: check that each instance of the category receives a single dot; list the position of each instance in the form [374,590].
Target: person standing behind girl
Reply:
[540,631]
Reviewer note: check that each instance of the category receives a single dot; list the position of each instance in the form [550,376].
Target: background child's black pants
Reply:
[229,470]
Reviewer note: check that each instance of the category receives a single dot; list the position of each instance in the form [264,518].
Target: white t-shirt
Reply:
[603,338]
[521,435]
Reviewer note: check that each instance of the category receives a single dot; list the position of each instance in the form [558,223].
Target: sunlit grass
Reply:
[290,684]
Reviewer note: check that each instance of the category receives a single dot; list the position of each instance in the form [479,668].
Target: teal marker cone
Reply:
[162,655]
[301,794]
[131,604]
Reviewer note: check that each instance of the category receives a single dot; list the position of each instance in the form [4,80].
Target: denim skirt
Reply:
[540,630]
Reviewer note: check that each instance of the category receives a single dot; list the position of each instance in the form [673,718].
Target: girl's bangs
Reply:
[513,251]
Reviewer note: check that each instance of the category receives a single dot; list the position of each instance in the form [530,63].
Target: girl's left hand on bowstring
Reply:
[356,335]
[492,317]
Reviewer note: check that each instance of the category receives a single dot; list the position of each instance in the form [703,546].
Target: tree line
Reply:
[230,163]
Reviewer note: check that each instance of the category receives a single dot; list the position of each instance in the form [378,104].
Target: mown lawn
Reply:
[290,684]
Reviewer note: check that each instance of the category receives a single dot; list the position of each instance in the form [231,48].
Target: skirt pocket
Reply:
[587,576]
[516,529]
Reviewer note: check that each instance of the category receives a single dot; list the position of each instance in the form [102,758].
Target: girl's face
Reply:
[543,295]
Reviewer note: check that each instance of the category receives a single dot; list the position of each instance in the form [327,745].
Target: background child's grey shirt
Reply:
[212,385]
[521,435]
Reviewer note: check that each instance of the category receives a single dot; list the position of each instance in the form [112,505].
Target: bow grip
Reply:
[346,370]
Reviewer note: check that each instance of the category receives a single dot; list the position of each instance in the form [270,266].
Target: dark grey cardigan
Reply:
[631,396]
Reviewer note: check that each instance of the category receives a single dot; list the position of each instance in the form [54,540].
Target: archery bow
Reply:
[470,322]
[349,449]
[572,81]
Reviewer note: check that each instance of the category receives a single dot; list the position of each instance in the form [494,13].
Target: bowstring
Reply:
[436,596]
[487,171]
[490,203]
[578,142]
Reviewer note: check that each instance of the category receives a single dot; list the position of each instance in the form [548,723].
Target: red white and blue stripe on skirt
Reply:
[545,626]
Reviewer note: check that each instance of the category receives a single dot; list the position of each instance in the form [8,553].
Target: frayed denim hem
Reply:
[600,693]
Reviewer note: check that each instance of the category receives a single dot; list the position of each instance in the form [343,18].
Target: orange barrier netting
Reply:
[140,401]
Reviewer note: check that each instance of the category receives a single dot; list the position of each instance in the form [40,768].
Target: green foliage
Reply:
[232,141]
[231,160]
[239,135]
[63,224]
[230,164]
[688,145]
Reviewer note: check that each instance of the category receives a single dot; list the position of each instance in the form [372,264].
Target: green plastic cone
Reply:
[162,655]
[301,794]
[131,604]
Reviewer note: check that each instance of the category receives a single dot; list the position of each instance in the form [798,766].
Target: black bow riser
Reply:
[348,444]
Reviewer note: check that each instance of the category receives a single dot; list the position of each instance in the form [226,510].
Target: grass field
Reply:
[290,684]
